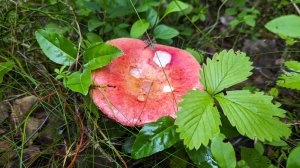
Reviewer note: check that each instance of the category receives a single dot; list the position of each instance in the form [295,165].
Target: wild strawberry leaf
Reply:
[254,115]
[289,80]
[198,120]
[224,70]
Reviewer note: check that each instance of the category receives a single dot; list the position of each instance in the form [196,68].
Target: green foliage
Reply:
[94,23]
[165,32]
[253,118]
[175,6]
[198,120]
[285,25]
[99,55]
[139,28]
[293,65]
[293,160]
[4,68]
[57,48]
[79,82]
[224,70]
[254,159]
[199,57]
[223,152]
[155,137]
[290,80]
[202,157]
[247,16]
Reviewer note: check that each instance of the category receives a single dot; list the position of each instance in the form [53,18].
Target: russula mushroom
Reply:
[144,84]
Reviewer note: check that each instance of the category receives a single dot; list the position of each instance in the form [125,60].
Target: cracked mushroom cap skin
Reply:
[144,84]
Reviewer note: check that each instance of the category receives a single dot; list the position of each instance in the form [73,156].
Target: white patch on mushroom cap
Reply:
[168,88]
[162,58]
[136,72]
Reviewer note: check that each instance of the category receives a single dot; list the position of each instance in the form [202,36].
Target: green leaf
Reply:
[289,80]
[79,82]
[100,54]
[139,28]
[52,27]
[57,48]
[175,6]
[155,137]
[254,159]
[152,17]
[199,57]
[197,120]
[293,65]
[93,23]
[223,152]
[127,145]
[202,157]
[165,32]
[254,115]
[4,68]
[285,25]
[293,159]
[224,70]
[93,38]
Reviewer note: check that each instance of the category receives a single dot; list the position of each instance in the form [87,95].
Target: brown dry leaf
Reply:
[4,109]
[7,153]
[30,155]
[32,125]
[21,107]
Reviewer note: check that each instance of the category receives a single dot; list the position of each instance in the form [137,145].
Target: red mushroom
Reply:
[144,84]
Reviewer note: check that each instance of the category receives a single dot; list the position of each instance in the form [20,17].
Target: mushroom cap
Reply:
[144,84]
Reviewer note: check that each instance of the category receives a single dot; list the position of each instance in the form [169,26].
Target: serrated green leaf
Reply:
[139,28]
[223,152]
[4,68]
[254,159]
[202,157]
[293,159]
[165,32]
[175,6]
[224,70]
[289,80]
[79,82]
[57,48]
[285,25]
[99,55]
[197,120]
[293,65]
[254,115]
[155,137]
